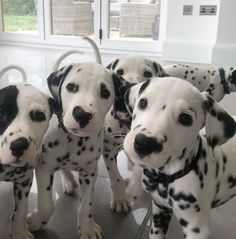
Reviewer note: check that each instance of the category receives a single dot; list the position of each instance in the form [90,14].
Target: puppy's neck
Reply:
[186,156]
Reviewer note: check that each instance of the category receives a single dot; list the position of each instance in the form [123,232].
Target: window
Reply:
[134,19]
[20,16]
[114,24]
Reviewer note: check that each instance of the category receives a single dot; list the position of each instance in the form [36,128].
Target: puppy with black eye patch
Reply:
[134,69]
[187,169]
[84,94]
[24,118]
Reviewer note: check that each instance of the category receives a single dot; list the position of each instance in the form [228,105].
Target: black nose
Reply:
[81,116]
[18,146]
[144,145]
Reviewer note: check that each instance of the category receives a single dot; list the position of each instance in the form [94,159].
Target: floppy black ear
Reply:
[159,70]
[220,126]
[131,96]
[113,64]
[120,87]
[56,78]
[54,106]
[234,77]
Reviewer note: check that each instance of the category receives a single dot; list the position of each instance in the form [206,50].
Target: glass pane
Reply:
[20,16]
[72,17]
[134,19]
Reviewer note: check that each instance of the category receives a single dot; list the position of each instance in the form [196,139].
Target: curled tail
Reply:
[95,49]
[16,67]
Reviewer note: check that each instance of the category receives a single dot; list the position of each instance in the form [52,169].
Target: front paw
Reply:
[120,203]
[35,221]
[155,234]
[69,183]
[21,234]
[90,230]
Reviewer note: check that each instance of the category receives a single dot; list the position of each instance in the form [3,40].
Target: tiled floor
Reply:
[38,64]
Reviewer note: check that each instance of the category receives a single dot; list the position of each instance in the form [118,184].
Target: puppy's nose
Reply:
[144,145]
[18,146]
[81,116]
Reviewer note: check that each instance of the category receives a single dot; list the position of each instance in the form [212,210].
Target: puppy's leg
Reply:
[119,200]
[40,216]
[19,227]
[87,227]
[195,223]
[134,188]
[161,216]
[69,183]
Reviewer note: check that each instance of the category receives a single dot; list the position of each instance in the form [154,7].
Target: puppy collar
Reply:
[125,122]
[223,81]
[166,179]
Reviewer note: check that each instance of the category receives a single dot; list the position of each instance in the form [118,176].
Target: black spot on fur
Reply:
[104,92]
[183,222]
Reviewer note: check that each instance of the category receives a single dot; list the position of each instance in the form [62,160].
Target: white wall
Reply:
[189,38]
[224,52]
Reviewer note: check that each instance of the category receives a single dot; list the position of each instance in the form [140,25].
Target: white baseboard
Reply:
[224,54]
[187,51]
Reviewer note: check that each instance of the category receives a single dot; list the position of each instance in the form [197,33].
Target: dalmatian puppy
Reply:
[134,69]
[74,141]
[186,172]
[24,117]
[217,82]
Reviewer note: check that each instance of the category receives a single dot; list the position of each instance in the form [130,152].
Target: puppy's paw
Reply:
[35,222]
[90,230]
[69,183]
[21,234]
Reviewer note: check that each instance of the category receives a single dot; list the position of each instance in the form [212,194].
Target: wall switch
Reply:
[188,10]
[208,10]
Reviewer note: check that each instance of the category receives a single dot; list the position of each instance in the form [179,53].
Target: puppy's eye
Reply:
[3,117]
[147,74]
[142,104]
[37,116]
[72,88]
[185,119]
[120,72]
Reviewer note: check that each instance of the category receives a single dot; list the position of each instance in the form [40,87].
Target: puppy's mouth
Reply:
[79,132]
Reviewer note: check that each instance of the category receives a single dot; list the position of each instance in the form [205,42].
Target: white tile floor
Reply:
[38,64]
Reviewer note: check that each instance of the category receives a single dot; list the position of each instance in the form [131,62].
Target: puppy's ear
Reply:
[120,87]
[131,96]
[56,78]
[113,64]
[220,126]
[234,77]
[159,70]
[54,106]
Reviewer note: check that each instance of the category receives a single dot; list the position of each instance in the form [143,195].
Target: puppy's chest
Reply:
[15,174]
[72,151]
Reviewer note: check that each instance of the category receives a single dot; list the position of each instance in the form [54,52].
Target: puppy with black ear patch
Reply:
[24,118]
[133,69]
[186,170]
[74,141]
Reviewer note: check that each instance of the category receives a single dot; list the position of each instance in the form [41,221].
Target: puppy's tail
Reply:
[63,56]
[16,67]
[95,49]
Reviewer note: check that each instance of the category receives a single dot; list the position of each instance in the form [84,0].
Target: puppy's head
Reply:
[24,117]
[136,68]
[85,92]
[167,117]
